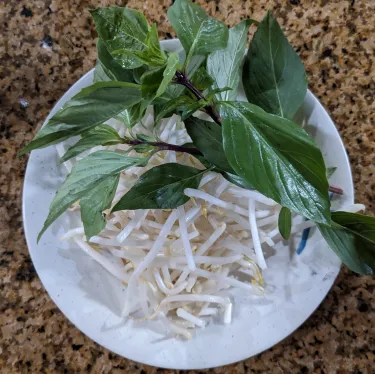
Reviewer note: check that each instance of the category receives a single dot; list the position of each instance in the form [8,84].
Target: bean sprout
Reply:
[176,263]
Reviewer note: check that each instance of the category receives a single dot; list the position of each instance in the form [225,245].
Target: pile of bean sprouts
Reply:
[177,264]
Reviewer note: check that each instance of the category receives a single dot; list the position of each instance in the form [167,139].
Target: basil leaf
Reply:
[273,75]
[201,79]
[95,202]
[99,73]
[138,72]
[352,237]
[168,73]
[224,64]
[161,187]
[111,69]
[153,55]
[207,137]
[145,138]
[199,34]
[238,181]
[285,222]
[123,31]
[130,117]
[86,175]
[99,135]
[277,157]
[151,80]
[170,106]
[330,171]
[211,94]
[90,107]
[192,108]
[143,148]
[175,90]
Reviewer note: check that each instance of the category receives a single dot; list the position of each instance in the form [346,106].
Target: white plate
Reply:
[91,299]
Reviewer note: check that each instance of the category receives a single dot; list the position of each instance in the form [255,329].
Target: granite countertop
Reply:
[46,45]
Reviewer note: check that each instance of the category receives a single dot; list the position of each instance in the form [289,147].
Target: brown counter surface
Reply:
[45,46]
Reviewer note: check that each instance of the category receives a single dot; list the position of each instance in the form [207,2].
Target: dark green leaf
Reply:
[138,72]
[99,135]
[151,80]
[192,108]
[199,34]
[273,75]
[95,202]
[90,107]
[111,69]
[161,187]
[199,157]
[86,175]
[130,116]
[145,138]
[211,94]
[224,64]
[207,137]
[201,79]
[152,55]
[99,73]
[330,171]
[277,157]
[352,237]
[143,148]
[285,222]
[168,73]
[123,31]
[171,106]
[176,90]
[238,181]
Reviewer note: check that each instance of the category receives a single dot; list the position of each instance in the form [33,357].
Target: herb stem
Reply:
[336,189]
[165,146]
[182,78]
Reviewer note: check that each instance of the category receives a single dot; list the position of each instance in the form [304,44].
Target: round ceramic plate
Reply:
[92,299]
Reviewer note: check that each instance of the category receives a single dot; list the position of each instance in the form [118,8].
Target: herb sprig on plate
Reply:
[253,144]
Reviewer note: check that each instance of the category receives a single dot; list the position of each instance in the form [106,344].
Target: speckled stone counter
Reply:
[46,45]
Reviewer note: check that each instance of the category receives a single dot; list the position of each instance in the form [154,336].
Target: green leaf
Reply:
[192,108]
[145,138]
[176,90]
[330,171]
[143,148]
[352,237]
[111,69]
[90,107]
[99,135]
[151,80]
[277,157]
[86,175]
[172,64]
[138,72]
[207,137]
[161,187]
[285,222]
[211,94]
[225,64]
[201,79]
[99,73]
[123,31]
[153,55]
[238,181]
[273,75]
[95,202]
[130,117]
[199,34]
[171,106]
